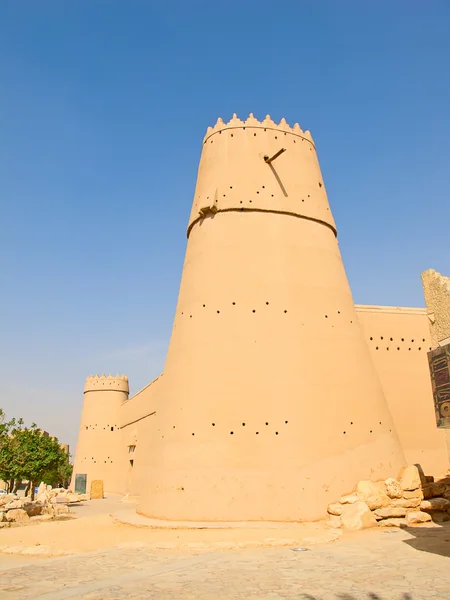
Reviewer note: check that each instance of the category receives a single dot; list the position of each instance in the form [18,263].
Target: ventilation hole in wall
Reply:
[412,341]
[204,306]
[182,313]
[370,431]
[351,422]
[267,423]
[276,137]
[376,347]
[344,432]
[271,195]
[403,339]
[320,185]
[231,135]
[243,424]
[391,339]
[371,338]
[302,200]
[231,187]
[387,347]
[398,347]
[339,312]
[263,187]
[257,192]
[190,316]
[112,428]
[211,142]
[286,422]
[173,426]
[267,303]
[326,316]
[409,348]
[309,196]
[213,424]
[351,321]
[223,196]
[380,422]
[254,310]
[285,311]
[231,432]
[250,201]
[381,338]
[257,432]
[233,303]
[240,201]
[218,312]
[276,432]
[254,134]
[430,348]
[295,142]
[420,347]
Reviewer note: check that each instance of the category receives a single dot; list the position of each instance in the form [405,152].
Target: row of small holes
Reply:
[398,348]
[392,339]
[243,425]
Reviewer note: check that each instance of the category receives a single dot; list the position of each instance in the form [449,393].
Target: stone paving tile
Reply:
[376,567]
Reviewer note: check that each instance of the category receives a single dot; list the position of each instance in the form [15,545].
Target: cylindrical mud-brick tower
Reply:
[270,407]
[99,454]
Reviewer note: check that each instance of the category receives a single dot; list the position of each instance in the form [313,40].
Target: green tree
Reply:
[28,453]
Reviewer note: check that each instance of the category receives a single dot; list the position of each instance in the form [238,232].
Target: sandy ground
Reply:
[93,527]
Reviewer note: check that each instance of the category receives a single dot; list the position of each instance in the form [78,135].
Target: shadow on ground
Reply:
[430,539]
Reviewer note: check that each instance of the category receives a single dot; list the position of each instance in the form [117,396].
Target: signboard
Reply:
[439,363]
[80,483]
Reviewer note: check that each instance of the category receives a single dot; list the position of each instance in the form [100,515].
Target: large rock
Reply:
[357,516]
[17,515]
[432,490]
[2,516]
[414,494]
[335,509]
[18,503]
[348,499]
[390,512]
[333,521]
[416,516]
[393,522]
[406,502]
[73,498]
[61,509]
[33,508]
[7,498]
[372,494]
[435,504]
[393,488]
[410,479]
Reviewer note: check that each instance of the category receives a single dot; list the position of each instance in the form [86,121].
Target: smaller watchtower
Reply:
[99,438]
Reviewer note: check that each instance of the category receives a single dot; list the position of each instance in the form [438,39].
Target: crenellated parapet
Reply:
[259,166]
[252,122]
[104,383]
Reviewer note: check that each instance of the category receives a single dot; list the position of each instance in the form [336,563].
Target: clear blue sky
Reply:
[103,106]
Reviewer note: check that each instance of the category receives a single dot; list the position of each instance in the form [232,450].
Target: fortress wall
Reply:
[99,450]
[136,418]
[398,340]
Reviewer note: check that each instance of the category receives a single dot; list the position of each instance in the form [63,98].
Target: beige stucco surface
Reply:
[276,396]
[398,340]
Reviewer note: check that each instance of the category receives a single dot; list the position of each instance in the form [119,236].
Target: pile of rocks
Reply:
[49,504]
[413,499]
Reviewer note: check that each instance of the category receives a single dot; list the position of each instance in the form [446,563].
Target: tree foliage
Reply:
[27,453]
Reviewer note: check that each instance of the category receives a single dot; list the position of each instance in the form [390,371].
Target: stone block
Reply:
[17,515]
[349,499]
[334,521]
[32,508]
[97,489]
[432,490]
[435,504]
[410,479]
[335,509]
[414,494]
[407,502]
[416,516]
[390,512]
[392,522]
[357,516]
[393,488]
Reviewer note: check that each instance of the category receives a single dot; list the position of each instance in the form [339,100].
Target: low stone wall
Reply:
[413,499]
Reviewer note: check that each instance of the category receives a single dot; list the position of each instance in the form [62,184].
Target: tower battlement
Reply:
[259,166]
[252,122]
[106,383]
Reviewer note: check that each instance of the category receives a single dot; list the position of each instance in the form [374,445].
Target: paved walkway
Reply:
[372,565]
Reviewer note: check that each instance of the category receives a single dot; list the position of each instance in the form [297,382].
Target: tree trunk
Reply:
[32,489]
[10,486]
[17,482]
[27,489]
